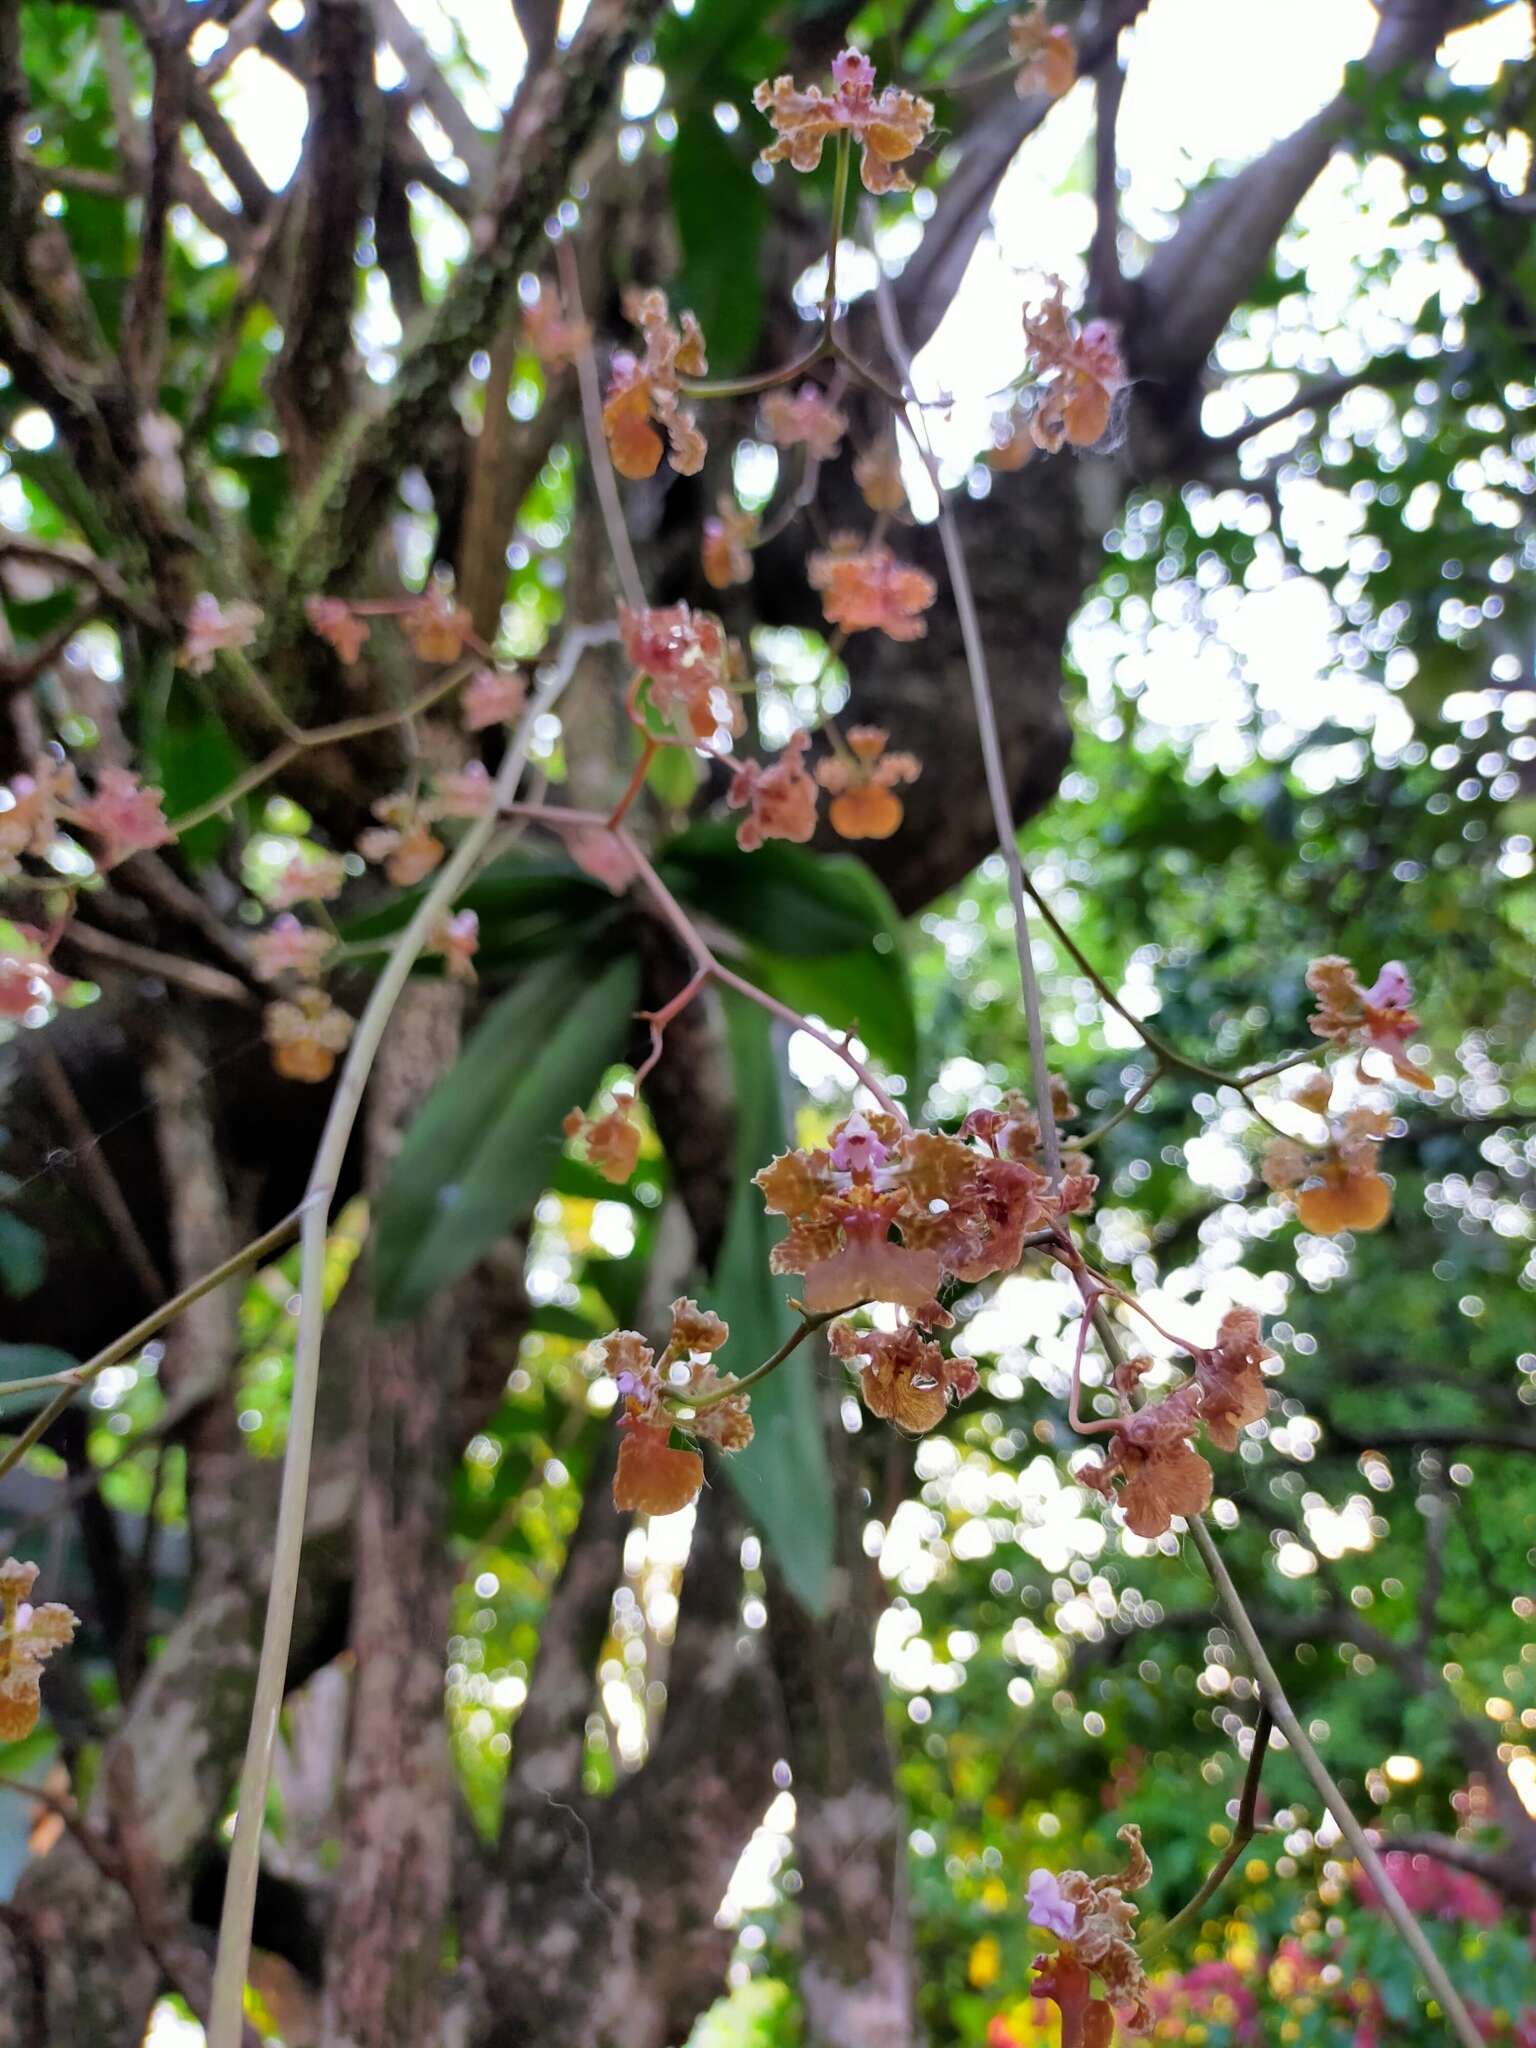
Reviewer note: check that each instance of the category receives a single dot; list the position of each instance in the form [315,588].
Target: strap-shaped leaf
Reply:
[782,1475]
[487,1139]
[529,903]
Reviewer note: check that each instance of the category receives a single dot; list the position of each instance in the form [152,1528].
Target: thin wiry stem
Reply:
[1170,1055]
[1272,1691]
[245,1855]
[703,953]
[1392,1904]
[991,744]
[1127,1108]
[303,739]
[72,1378]
[603,480]
[688,1405]
[1242,1834]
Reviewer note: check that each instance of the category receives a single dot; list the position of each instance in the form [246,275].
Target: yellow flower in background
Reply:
[986,1964]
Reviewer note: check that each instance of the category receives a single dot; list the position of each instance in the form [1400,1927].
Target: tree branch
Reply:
[1106,286]
[1192,284]
[144,322]
[992,140]
[312,384]
[550,125]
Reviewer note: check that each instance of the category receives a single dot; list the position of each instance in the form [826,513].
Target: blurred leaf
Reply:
[529,903]
[487,1139]
[674,777]
[26,1361]
[23,1257]
[192,758]
[782,1475]
[721,210]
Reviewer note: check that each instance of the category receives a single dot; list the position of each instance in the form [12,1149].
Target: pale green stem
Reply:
[228,1997]
[991,744]
[72,1378]
[603,480]
[839,208]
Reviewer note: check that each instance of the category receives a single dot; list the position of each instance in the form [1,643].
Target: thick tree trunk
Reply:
[850,1834]
[384,1957]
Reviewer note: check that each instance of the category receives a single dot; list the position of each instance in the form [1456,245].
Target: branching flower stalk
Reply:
[710,967]
[1263,1670]
[303,740]
[224,2026]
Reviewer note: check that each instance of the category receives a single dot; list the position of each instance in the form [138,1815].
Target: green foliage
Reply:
[782,1475]
[721,211]
[485,1141]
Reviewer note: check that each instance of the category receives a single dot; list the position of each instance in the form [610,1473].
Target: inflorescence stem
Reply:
[1263,1670]
[808,1325]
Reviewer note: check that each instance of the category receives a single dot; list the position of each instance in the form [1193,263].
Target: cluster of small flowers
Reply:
[691,670]
[681,1389]
[890,1214]
[304,1027]
[1152,1467]
[645,393]
[1093,1922]
[1044,52]
[1079,375]
[1335,1181]
[962,1208]
[28,1638]
[121,815]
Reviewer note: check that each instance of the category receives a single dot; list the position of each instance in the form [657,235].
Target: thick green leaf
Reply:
[824,935]
[487,1138]
[721,210]
[529,903]
[782,1475]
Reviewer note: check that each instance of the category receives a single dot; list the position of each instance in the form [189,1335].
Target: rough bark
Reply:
[312,385]
[605,1929]
[384,1956]
[71,1942]
[850,1837]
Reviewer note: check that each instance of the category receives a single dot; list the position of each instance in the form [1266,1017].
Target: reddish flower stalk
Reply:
[710,968]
